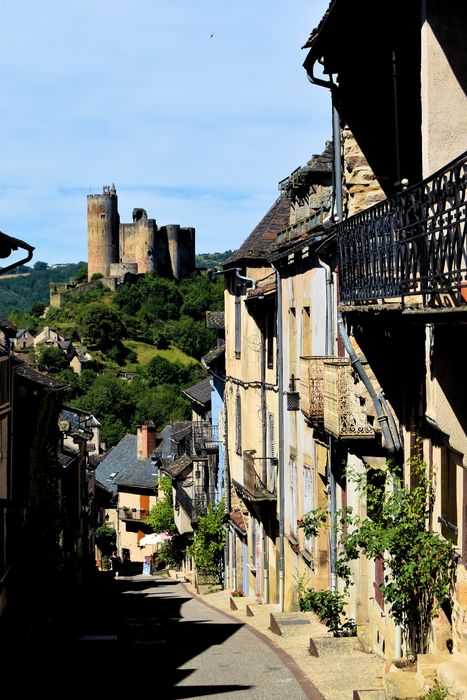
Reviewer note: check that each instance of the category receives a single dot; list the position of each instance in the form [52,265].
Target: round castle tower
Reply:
[103,231]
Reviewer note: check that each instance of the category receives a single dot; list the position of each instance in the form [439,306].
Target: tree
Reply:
[209,541]
[161,517]
[101,324]
[51,359]
[37,309]
[81,274]
[39,265]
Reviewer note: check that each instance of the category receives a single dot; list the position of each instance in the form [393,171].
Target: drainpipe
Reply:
[337,163]
[246,279]
[329,351]
[358,367]
[264,473]
[229,555]
[280,382]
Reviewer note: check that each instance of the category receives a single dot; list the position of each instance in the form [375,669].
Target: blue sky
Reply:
[194,108]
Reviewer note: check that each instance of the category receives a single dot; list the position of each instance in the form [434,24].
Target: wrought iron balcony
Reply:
[332,397]
[345,401]
[196,505]
[311,388]
[253,487]
[413,244]
[205,437]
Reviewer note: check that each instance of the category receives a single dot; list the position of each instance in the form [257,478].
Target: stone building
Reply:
[116,249]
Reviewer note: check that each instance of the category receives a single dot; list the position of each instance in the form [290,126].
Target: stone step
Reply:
[292,623]
[240,602]
[335,646]
[376,694]
[262,610]
[427,665]
[402,685]
[453,675]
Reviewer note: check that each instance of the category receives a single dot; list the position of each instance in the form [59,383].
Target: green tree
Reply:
[51,359]
[81,274]
[39,265]
[209,541]
[101,325]
[161,517]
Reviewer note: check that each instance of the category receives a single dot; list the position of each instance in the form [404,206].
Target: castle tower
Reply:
[137,242]
[103,231]
[181,247]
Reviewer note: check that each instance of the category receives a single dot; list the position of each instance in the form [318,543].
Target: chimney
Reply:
[145,440]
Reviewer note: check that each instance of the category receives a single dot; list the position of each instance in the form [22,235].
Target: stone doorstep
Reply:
[376,694]
[240,602]
[402,685]
[304,623]
[427,665]
[335,646]
[453,675]
[261,610]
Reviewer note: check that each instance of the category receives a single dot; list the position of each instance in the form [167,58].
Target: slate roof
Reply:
[27,372]
[262,238]
[213,355]
[176,468]
[314,34]
[215,319]
[169,438]
[200,392]
[127,470]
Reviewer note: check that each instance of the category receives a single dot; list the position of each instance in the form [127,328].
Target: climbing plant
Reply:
[208,545]
[419,566]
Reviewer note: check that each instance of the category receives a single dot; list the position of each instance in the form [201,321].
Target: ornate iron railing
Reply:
[205,436]
[414,243]
[253,484]
[344,400]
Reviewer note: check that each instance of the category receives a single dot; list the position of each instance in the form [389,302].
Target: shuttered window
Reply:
[238,324]
[271,453]
[293,494]
[238,424]
[308,498]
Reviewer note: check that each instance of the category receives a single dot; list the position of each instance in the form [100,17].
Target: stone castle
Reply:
[116,250]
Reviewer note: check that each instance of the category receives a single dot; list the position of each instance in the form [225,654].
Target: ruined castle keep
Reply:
[115,249]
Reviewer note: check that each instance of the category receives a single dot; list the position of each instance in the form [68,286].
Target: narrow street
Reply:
[150,636]
[150,632]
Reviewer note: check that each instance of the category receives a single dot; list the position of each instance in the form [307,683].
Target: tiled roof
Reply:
[200,392]
[120,467]
[261,239]
[215,319]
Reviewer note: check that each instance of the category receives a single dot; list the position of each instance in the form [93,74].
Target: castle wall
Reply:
[137,242]
[181,245]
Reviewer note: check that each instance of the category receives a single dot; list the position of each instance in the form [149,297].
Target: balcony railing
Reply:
[344,399]
[205,437]
[413,244]
[253,487]
[132,513]
[332,397]
[311,388]
[194,507]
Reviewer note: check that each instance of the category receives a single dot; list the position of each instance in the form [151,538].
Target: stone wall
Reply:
[360,186]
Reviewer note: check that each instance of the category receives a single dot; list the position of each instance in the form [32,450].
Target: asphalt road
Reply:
[157,641]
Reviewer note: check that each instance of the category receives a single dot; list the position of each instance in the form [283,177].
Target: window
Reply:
[238,331]
[238,424]
[292,341]
[271,449]
[102,216]
[306,331]
[308,498]
[293,494]
[270,333]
